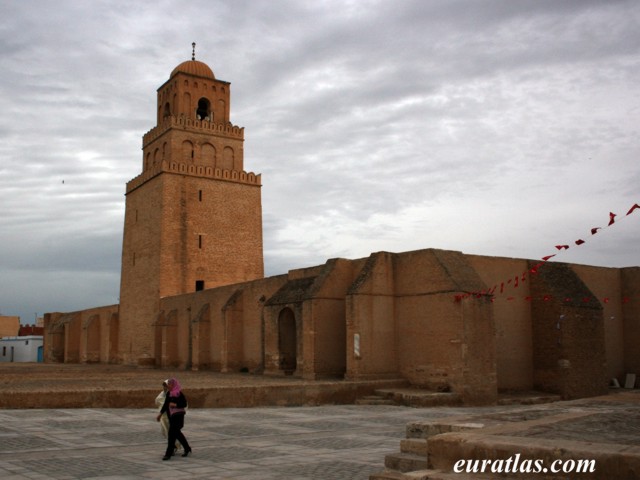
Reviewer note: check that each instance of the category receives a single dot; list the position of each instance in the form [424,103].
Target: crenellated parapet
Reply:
[143,177]
[248,178]
[203,126]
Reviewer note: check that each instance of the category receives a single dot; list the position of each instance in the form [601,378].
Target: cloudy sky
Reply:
[498,127]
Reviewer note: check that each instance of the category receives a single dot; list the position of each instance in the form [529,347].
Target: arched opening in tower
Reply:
[204,110]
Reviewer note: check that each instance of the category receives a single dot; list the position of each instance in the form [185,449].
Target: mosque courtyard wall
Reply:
[410,315]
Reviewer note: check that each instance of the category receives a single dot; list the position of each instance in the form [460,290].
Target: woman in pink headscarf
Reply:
[164,418]
[175,404]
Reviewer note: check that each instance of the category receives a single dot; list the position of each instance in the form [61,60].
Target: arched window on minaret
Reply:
[204,110]
[186,107]
[208,155]
[187,151]
[227,158]
[167,110]
[222,109]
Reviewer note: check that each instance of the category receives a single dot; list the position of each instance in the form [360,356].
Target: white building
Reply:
[21,349]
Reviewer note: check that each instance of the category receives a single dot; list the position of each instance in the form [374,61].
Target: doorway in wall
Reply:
[287,341]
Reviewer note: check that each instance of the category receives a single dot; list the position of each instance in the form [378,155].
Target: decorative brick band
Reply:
[237,176]
[226,129]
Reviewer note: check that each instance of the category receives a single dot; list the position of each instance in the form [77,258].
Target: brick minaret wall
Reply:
[193,217]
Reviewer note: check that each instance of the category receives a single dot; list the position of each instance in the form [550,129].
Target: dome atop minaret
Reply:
[194,67]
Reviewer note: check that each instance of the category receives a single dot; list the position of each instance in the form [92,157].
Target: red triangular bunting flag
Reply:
[594,230]
[547,257]
[534,270]
[560,247]
[633,208]
[612,217]
[579,242]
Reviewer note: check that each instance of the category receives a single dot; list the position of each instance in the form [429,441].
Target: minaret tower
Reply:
[193,217]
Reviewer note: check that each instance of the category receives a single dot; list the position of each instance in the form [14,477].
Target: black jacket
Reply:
[180,401]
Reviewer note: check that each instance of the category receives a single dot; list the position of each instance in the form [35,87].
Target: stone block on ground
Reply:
[630,380]
[405,462]
[416,446]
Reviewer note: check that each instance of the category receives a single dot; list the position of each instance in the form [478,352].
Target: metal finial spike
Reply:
[193,51]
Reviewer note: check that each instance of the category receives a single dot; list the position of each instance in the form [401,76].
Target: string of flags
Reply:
[516,280]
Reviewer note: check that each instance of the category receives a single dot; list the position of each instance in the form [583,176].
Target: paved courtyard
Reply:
[337,442]
[320,443]
[331,442]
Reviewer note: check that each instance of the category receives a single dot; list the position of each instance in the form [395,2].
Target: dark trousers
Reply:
[176,422]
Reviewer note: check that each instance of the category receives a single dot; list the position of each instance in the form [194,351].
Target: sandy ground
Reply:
[41,377]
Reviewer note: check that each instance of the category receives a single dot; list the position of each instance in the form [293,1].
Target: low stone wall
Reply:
[221,397]
[100,386]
